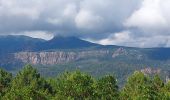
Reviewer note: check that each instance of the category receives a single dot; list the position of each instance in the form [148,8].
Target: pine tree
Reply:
[28,85]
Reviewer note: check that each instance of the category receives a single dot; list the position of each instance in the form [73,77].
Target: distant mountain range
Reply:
[70,53]
[11,44]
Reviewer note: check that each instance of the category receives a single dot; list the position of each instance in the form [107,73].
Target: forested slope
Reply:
[28,84]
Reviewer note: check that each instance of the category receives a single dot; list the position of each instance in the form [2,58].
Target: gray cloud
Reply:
[119,22]
[67,16]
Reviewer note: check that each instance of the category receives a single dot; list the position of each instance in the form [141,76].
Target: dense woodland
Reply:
[28,84]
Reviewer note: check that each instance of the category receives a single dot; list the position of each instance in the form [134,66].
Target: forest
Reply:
[28,84]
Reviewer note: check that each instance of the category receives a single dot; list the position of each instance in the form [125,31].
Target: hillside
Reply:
[70,53]
[30,84]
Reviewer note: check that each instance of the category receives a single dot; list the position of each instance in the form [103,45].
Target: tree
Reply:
[5,80]
[138,87]
[158,86]
[28,85]
[167,91]
[75,85]
[107,88]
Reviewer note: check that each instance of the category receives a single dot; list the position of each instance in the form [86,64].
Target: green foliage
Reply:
[5,79]
[143,87]
[75,85]
[29,85]
[137,88]
[107,89]
[166,91]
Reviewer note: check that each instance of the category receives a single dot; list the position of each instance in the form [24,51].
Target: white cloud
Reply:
[37,34]
[116,38]
[14,8]
[126,38]
[71,16]
[150,17]
[70,10]
[86,20]
[105,20]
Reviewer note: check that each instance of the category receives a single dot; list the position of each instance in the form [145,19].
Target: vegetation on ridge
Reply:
[28,84]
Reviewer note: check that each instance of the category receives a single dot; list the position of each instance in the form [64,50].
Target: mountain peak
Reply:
[71,42]
[63,38]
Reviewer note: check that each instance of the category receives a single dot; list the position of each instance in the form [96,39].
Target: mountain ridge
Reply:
[70,53]
[11,44]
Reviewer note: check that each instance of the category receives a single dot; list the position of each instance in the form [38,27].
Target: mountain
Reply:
[11,47]
[60,42]
[159,54]
[11,44]
[70,53]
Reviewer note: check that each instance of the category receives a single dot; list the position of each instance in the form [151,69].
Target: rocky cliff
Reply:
[150,71]
[118,52]
[57,57]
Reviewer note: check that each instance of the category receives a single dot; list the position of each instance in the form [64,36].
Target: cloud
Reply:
[116,38]
[86,20]
[36,34]
[153,17]
[119,22]
[127,38]
[150,24]
[67,17]
[100,16]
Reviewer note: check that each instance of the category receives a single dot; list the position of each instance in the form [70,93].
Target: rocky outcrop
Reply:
[45,58]
[118,52]
[150,71]
[57,57]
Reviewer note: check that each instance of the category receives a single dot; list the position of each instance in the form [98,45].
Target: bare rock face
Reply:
[45,58]
[92,53]
[150,71]
[118,52]
[57,57]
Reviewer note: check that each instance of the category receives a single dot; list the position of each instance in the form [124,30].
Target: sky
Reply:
[134,23]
